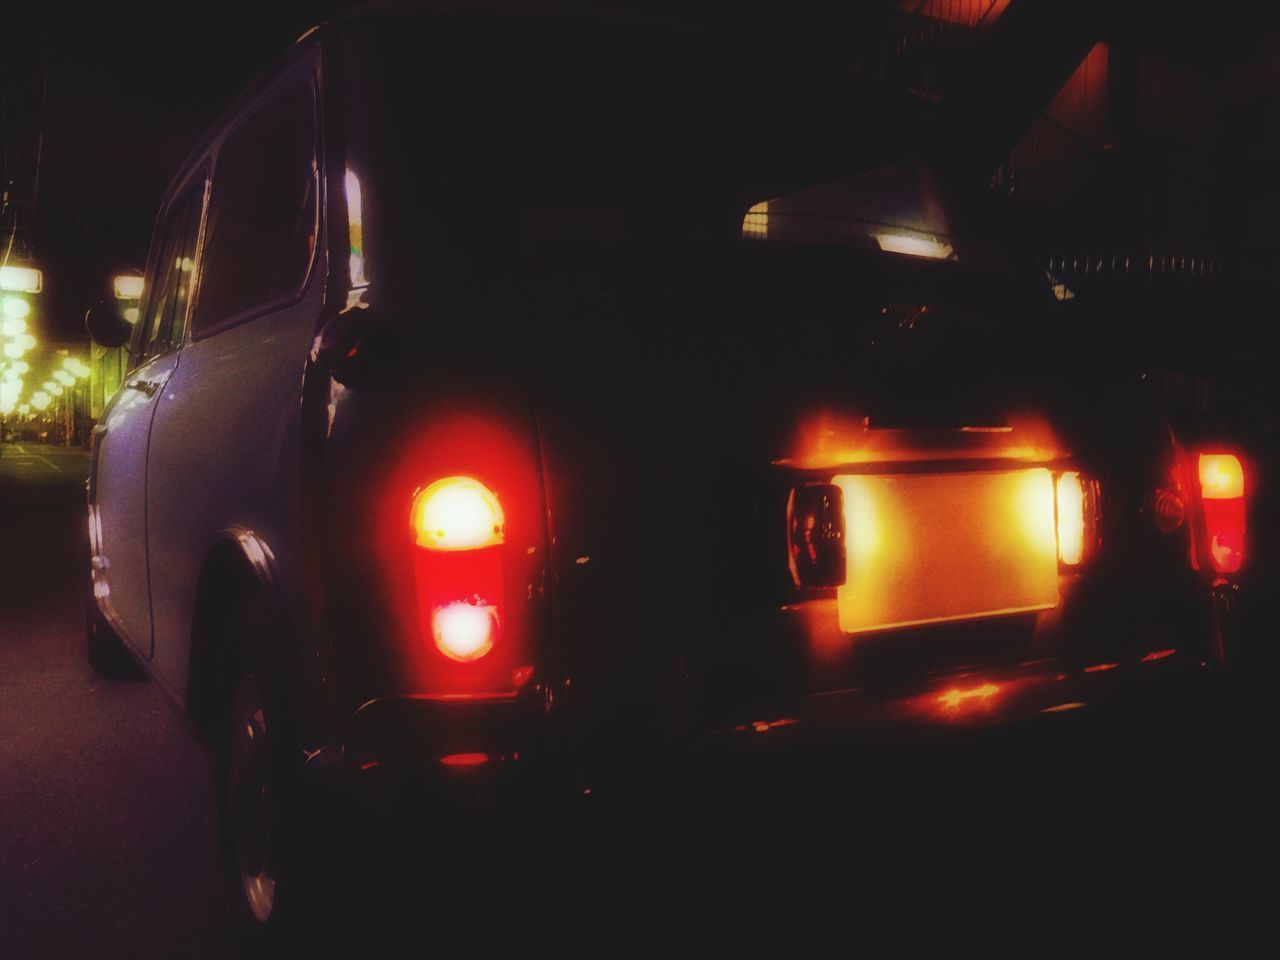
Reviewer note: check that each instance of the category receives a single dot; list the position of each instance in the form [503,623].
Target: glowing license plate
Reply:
[933,548]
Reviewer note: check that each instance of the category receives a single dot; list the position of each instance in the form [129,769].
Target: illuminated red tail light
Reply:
[457,513]
[1222,497]
[458,530]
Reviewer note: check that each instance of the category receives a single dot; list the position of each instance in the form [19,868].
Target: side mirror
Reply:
[107,325]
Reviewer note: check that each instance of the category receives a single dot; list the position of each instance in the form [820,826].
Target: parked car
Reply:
[499,405]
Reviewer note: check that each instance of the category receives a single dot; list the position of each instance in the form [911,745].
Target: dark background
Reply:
[111,99]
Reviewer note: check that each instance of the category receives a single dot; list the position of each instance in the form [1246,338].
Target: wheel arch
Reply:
[237,564]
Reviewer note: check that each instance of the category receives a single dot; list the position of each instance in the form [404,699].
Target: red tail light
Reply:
[1222,497]
[457,513]
[465,631]
[458,529]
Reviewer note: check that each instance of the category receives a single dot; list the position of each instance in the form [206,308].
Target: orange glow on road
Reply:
[954,697]
[1065,707]
[1158,655]
[764,726]
[1100,667]
[457,513]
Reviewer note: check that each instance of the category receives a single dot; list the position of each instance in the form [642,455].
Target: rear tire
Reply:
[268,867]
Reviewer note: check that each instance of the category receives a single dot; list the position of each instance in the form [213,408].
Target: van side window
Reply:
[262,211]
[162,325]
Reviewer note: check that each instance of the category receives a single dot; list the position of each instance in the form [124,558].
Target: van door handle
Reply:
[149,387]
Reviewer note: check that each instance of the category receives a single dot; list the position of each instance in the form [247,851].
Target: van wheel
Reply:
[259,786]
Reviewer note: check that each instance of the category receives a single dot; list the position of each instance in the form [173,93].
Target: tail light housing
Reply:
[1076,510]
[1222,492]
[458,528]
[815,536]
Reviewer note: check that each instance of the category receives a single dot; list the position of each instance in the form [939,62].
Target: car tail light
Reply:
[815,535]
[1076,511]
[1222,497]
[457,513]
[464,630]
[458,530]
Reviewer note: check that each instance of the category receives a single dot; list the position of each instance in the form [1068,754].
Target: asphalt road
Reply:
[1151,819]
[106,798]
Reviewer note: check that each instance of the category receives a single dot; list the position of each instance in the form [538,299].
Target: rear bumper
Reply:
[466,752]
[970,700]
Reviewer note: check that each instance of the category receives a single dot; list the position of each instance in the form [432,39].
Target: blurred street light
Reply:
[21,279]
[64,378]
[128,287]
[41,400]
[14,307]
